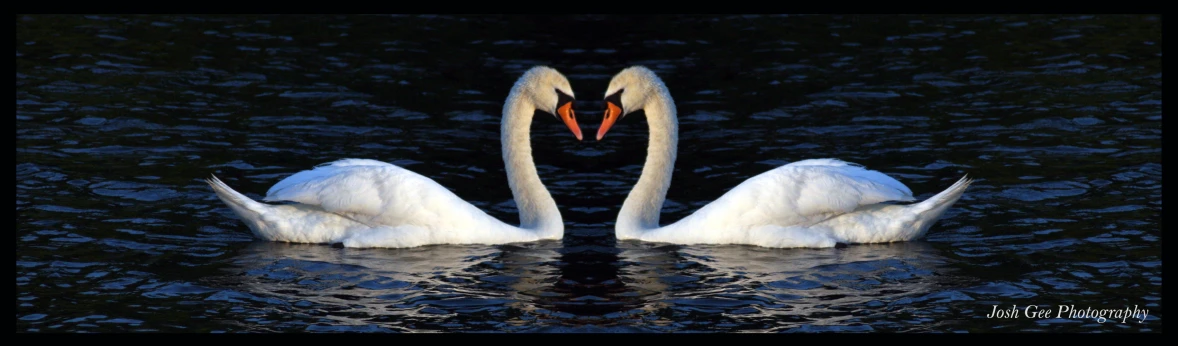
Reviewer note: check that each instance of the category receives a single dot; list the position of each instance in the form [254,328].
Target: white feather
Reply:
[368,203]
[809,203]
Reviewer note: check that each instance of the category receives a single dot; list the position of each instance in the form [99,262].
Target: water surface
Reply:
[119,118]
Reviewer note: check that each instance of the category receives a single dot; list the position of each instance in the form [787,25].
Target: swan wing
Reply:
[804,192]
[376,192]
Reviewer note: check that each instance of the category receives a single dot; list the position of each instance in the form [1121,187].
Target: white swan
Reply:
[810,203]
[367,203]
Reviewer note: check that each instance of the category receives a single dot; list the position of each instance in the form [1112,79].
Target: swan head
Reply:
[628,92]
[550,92]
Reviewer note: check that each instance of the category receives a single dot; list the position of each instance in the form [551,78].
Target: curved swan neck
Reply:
[537,209]
[641,209]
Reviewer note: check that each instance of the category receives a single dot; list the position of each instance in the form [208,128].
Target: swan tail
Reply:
[928,211]
[243,206]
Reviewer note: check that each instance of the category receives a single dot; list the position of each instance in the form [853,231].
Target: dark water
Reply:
[120,117]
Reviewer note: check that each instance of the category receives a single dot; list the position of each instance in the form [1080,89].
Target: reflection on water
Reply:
[760,289]
[119,118]
[653,287]
[432,287]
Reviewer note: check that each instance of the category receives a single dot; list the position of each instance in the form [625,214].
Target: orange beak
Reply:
[570,119]
[612,113]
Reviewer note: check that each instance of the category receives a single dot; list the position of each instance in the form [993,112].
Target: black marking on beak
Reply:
[561,99]
[616,99]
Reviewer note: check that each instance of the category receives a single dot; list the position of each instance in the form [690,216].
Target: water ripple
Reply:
[120,117]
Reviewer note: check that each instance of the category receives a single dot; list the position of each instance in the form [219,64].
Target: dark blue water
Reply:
[119,118]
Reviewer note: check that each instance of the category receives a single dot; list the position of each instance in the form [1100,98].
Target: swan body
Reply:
[809,203]
[368,203]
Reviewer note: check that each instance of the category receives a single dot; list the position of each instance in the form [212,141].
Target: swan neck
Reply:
[640,211]
[537,209]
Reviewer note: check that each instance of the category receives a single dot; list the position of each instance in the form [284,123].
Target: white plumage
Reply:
[368,203]
[809,203]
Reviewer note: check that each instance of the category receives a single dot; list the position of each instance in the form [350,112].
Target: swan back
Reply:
[378,193]
[800,193]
